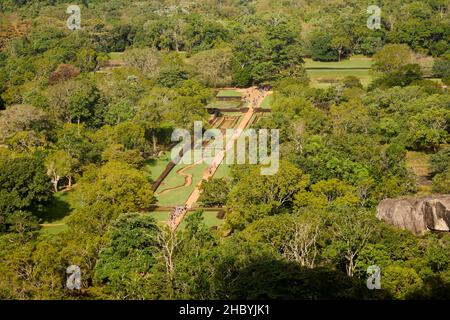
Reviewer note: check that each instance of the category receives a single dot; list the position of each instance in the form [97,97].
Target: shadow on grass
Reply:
[56,210]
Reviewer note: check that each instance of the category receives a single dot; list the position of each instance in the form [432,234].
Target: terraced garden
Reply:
[183,178]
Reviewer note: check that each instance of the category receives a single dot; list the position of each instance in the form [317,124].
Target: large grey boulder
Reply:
[417,214]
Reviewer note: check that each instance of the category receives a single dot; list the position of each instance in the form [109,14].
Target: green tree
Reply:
[19,118]
[441,182]
[118,153]
[401,282]
[441,68]
[341,44]
[185,110]
[125,263]
[117,184]
[130,135]
[327,193]
[256,196]
[215,192]
[212,66]
[404,76]
[391,57]
[24,185]
[60,165]
[352,231]
[321,48]
[440,161]
[148,61]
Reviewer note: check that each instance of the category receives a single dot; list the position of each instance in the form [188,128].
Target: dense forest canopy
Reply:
[85,114]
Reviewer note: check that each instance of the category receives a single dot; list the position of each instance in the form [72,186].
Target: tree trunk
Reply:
[351,265]
[154,140]
[177,49]
[55,181]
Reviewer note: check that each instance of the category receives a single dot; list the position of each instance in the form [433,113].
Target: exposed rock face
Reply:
[416,214]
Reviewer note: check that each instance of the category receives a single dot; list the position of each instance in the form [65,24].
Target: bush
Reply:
[441,68]
[440,161]
[171,77]
[441,182]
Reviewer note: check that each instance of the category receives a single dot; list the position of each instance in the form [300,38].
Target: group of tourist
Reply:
[177,212]
[261,90]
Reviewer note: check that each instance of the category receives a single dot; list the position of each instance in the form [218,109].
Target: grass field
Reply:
[116,55]
[54,229]
[324,74]
[267,102]
[209,218]
[160,216]
[223,171]
[418,162]
[179,196]
[156,166]
[357,61]
[61,207]
[229,94]
[217,104]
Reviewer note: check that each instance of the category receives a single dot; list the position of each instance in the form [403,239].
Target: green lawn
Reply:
[179,196]
[267,102]
[356,61]
[324,74]
[156,166]
[217,104]
[54,229]
[160,216]
[54,214]
[229,94]
[324,78]
[209,218]
[62,206]
[116,55]
[223,171]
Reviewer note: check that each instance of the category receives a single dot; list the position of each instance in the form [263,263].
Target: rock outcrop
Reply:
[417,214]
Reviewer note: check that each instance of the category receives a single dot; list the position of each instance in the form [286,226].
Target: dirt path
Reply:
[255,98]
[187,180]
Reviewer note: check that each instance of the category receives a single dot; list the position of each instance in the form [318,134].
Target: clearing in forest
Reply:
[324,74]
[418,162]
